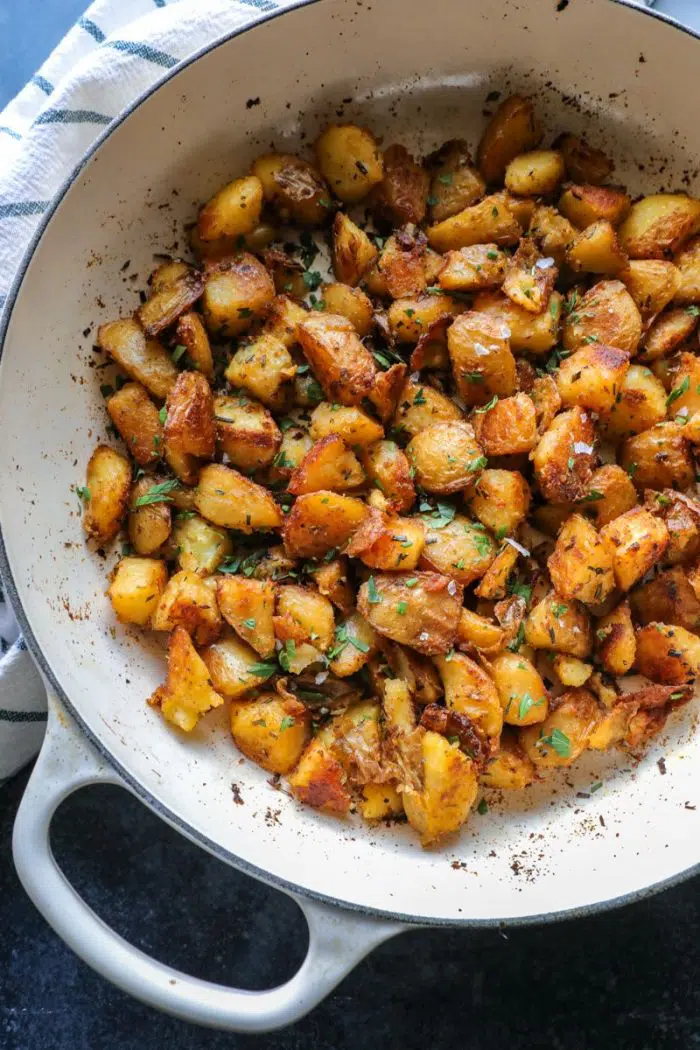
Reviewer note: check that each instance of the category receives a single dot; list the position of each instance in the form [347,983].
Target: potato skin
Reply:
[135,587]
[583,162]
[512,130]
[481,359]
[344,368]
[189,424]
[687,267]
[430,615]
[461,549]
[535,173]
[420,407]
[144,360]
[668,331]
[667,598]
[107,484]
[137,420]
[640,540]
[192,334]
[271,731]
[564,734]
[245,431]
[164,307]
[353,252]
[149,525]
[667,654]
[234,210]
[237,290]
[658,225]
[591,377]
[563,466]
[446,457]
[606,314]
[401,196]
[509,428]
[294,187]
[349,160]
[659,458]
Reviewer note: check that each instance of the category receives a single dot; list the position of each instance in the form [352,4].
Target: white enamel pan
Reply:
[415,72]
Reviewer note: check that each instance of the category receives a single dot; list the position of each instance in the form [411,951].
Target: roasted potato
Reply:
[639,540]
[592,377]
[332,580]
[192,335]
[355,643]
[135,588]
[245,431]
[564,734]
[522,692]
[652,283]
[583,162]
[481,359]
[667,332]
[329,464]
[264,368]
[447,793]
[512,130]
[237,291]
[353,252]
[500,500]
[187,693]
[455,183]
[271,730]
[596,249]
[351,303]
[350,161]
[319,779]
[639,404]
[615,641]
[350,423]
[187,601]
[293,187]
[144,360]
[489,221]
[563,459]
[446,457]
[106,493]
[420,407]
[200,547]
[533,333]
[659,458]
[581,565]
[561,626]
[234,667]
[659,225]
[149,520]
[389,471]
[462,549]
[189,433]
[494,582]
[472,269]
[164,307]
[529,278]
[687,267]
[138,422]
[667,598]
[225,497]
[411,316]
[402,194]
[321,521]
[667,654]
[388,543]
[471,691]
[344,368]
[509,769]
[424,614]
[233,211]
[536,173]
[584,205]
[611,493]
[605,314]
[552,232]
[507,427]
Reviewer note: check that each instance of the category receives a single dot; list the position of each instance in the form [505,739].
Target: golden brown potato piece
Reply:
[319,779]
[546,399]
[512,130]
[402,194]
[387,391]
[521,691]
[659,458]
[470,691]
[446,457]
[482,362]
[533,333]
[596,249]
[667,654]
[564,734]
[584,205]
[350,161]
[667,598]
[508,428]
[350,423]
[681,514]
[187,693]
[529,278]
[354,645]
[237,291]
[264,368]
[149,517]
[106,493]
[321,521]
[536,173]
[135,588]
[606,314]
[611,493]
[688,269]
[143,360]
[351,303]
[501,500]
[447,793]
[401,267]
[563,459]
[461,549]
[189,431]
[658,225]
[234,667]
[583,162]
[342,365]
[137,420]
[412,316]
[562,626]
[581,566]
[329,464]
[296,442]
[353,251]
[592,377]
[480,633]
[652,283]
[294,187]
[388,543]
[509,769]
[667,331]
[231,500]
[571,671]
[423,615]
[615,642]
[283,319]
[684,397]
[304,615]
[552,232]
[489,221]
[380,802]
[420,407]
[270,730]
[200,547]
[331,579]
[389,471]
[233,211]
[473,268]
[494,583]
[639,405]
[164,308]
[187,601]
[246,431]
[640,540]
[167,274]
[456,183]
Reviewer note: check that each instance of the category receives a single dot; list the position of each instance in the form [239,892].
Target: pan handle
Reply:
[338,939]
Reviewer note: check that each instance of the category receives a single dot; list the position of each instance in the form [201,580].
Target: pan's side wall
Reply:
[548,851]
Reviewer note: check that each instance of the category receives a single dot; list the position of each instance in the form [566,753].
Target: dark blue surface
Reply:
[623,981]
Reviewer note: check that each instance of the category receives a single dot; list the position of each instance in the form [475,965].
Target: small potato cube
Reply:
[387,391]
[658,225]
[512,130]
[640,540]
[344,368]
[106,493]
[546,399]
[571,671]
[509,769]
[667,598]
[494,583]
[137,420]
[234,667]
[456,183]
[652,283]
[529,278]
[144,360]
[667,332]
[321,521]
[189,432]
[584,205]
[473,268]
[561,626]
[508,428]
[351,303]
[264,368]
[296,442]
[273,732]
[228,499]
[536,173]
[581,566]
[615,641]
[533,333]
[461,549]
[331,579]
[283,320]
[564,734]
[611,493]
[353,252]
[188,602]
[681,514]
[246,432]
[304,615]
[552,232]
[388,543]
[448,791]
[350,423]
[424,615]
[583,162]
[329,464]
[596,250]
[592,377]
[479,633]
[522,692]
[319,779]
[293,187]
[684,398]
[401,196]
[389,471]
[639,404]
[187,693]
[471,691]
[149,518]
[446,457]
[420,407]
[401,267]
[350,161]
[233,211]
[489,221]
[236,292]
[355,643]
[481,358]
[200,546]
[500,500]
[412,316]
[136,586]
[192,334]
[248,606]
[667,654]
[167,274]
[659,458]
[380,802]
[563,459]
[688,268]
[606,314]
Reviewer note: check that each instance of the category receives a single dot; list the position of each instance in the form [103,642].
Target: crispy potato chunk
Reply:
[189,432]
[659,458]
[137,420]
[344,368]
[684,398]
[611,494]
[329,464]
[482,362]
[271,731]
[500,500]
[535,173]
[533,333]
[229,499]
[231,664]
[264,368]
[640,540]
[380,802]
[424,616]
[615,641]
[456,183]
[144,360]
[546,399]
[319,779]
[402,194]
[596,249]
[583,162]
[461,549]
[355,643]
[304,615]
[494,583]
[509,769]
[351,303]
[473,268]
[350,161]
[658,225]
[187,693]
[420,407]
[353,252]
[639,404]
[106,493]
[350,423]
[200,546]
[512,130]
[489,221]
[592,377]
[237,291]
[192,334]
[584,205]
[529,278]
[681,514]
[233,211]
[687,267]
[552,232]
[480,633]
[388,543]
[667,332]
[508,428]
[606,314]
[164,307]
[667,654]
[581,566]
[187,601]
[667,598]
[571,671]
[283,319]
[321,521]
[563,459]
[652,283]
[294,187]
[149,522]
[135,587]
[389,471]
[446,457]
[471,691]
[387,391]
[245,431]
[331,579]
[521,691]
[448,791]
[412,316]
[564,734]
[401,267]
[561,626]
[296,442]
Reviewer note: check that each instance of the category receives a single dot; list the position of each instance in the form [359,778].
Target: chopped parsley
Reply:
[263,669]
[488,406]
[373,595]
[401,608]
[163,414]
[178,352]
[559,742]
[678,391]
[158,494]
[287,722]
[83,493]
